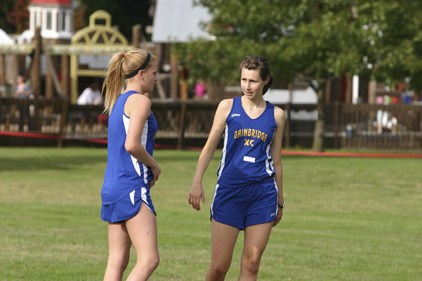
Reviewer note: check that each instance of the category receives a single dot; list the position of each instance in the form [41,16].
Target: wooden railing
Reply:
[395,126]
[181,124]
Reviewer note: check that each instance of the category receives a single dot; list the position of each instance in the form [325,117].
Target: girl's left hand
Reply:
[279,216]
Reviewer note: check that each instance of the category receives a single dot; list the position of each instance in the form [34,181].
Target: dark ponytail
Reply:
[268,85]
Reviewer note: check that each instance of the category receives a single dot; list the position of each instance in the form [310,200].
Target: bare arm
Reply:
[276,154]
[196,194]
[138,108]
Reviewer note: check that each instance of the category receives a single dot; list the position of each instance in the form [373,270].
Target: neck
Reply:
[134,87]
[256,102]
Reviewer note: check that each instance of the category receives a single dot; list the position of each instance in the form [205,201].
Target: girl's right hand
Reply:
[196,196]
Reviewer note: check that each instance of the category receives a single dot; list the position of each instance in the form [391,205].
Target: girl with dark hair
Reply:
[249,191]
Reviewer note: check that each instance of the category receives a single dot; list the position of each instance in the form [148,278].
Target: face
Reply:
[151,76]
[251,83]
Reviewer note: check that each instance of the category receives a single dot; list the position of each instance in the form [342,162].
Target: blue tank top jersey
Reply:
[124,173]
[246,156]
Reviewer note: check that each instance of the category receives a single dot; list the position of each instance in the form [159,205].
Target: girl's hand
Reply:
[156,171]
[196,196]
[279,216]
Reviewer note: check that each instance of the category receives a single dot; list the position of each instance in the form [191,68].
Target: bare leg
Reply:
[119,251]
[223,240]
[143,233]
[256,239]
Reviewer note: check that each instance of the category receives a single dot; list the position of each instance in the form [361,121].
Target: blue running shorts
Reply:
[127,207]
[244,206]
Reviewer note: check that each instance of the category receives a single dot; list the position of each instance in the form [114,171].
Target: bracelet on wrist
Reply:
[281,206]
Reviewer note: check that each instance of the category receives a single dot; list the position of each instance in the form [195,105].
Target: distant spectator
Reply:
[22,88]
[91,95]
[23,91]
[200,90]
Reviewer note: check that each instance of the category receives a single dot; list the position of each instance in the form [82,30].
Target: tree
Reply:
[321,39]
[14,15]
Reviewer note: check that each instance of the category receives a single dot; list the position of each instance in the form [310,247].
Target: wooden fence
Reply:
[182,124]
[395,126]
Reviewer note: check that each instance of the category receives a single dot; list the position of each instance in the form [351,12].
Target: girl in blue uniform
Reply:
[131,169]
[249,192]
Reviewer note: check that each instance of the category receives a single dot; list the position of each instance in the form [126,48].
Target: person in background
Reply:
[131,169]
[91,95]
[22,88]
[249,192]
[200,90]
[23,91]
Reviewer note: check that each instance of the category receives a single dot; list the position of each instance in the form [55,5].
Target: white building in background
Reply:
[295,96]
[179,21]
[54,17]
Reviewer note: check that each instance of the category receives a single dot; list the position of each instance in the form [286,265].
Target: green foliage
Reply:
[318,39]
[6,7]
[391,39]
[226,58]
[346,218]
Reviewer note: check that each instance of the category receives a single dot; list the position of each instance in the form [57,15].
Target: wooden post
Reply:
[65,75]
[136,35]
[52,79]
[372,91]
[287,126]
[36,77]
[63,121]
[13,68]
[36,64]
[35,70]
[319,131]
[174,83]
[74,68]
[2,76]
[183,82]
[158,51]
[181,133]
[327,90]
[49,82]
[348,98]
[288,111]
[337,125]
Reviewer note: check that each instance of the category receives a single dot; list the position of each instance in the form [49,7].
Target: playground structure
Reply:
[63,61]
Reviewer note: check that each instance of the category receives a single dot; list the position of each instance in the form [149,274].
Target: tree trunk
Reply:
[174,80]
[215,90]
[319,131]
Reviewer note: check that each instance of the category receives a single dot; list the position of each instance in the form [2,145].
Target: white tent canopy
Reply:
[5,39]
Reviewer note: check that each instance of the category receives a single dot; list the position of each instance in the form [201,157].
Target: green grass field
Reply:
[346,218]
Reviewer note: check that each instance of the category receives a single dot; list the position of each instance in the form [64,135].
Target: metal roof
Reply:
[178,21]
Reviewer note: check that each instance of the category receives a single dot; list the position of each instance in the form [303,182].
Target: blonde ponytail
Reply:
[113,82]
